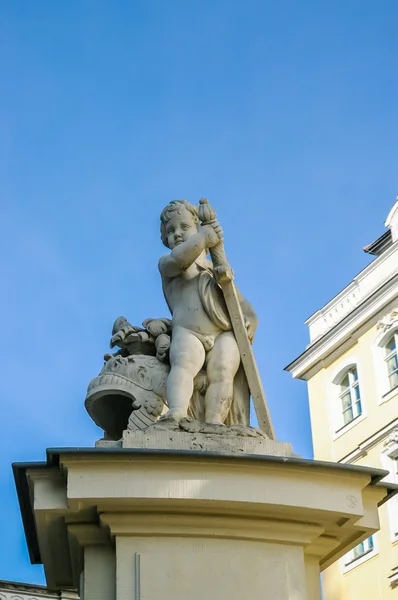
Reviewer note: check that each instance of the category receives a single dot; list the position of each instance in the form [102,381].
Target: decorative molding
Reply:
[385,327]
[388,322]
[15,591]
[333,342]
[364,285]
[393,578]
[366,445]
[30,596]
[392,438]
[235,528]
[25,591]
[336,312]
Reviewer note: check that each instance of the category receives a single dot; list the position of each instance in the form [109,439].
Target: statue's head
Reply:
[178,222]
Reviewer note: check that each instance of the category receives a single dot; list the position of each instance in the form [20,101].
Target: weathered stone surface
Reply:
[129,393]
[193,435]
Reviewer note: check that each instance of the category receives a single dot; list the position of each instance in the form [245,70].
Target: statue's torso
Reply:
[183,298]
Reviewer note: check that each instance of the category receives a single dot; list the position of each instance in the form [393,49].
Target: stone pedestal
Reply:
[130,524]
[206,438]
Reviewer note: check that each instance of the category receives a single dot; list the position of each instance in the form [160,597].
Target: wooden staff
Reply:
[225,278]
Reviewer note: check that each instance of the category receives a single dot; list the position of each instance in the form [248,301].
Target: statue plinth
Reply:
[191,435]
[134,524]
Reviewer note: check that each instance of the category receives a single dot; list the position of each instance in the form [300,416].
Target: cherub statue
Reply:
[202,336]
[190,366]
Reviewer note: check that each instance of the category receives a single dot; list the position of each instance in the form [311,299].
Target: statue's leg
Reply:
[187,356]
[222,364]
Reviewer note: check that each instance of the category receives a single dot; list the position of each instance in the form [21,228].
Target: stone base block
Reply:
[206,438]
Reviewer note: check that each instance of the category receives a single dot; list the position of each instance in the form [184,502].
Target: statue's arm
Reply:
[185,254]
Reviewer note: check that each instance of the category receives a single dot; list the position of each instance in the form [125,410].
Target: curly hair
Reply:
[175,205]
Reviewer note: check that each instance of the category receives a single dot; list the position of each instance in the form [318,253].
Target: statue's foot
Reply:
[193,426]
[174,414]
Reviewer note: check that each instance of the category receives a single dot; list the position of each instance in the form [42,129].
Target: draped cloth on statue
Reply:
[212,299]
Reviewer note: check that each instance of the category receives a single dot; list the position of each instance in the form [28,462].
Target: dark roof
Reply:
[21,483]
[380,245]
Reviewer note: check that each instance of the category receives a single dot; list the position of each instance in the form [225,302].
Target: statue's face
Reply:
[180,227]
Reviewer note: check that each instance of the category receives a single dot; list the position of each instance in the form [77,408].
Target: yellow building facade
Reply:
[351,368]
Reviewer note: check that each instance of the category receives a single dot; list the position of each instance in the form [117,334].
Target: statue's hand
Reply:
[223,274]
[212,234]
[217,228]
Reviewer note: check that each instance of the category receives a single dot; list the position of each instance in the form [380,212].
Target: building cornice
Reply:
[388,433]
[335,341]
[365,284]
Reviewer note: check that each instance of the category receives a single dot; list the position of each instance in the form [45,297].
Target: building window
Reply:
[350,396]
[391,360]
[385,355]
[359,551]
[360,554]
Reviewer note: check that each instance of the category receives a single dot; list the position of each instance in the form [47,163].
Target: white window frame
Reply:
[348,562]
[338,428]
[350,390]
[385,393]
[387,357]
[389,462]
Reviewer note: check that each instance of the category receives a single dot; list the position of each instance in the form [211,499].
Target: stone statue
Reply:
[197,369]
[202,334]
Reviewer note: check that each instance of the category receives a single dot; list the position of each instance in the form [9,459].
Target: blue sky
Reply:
[284,114]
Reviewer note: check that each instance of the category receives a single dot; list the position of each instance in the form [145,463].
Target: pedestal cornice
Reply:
[98,495]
